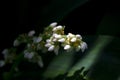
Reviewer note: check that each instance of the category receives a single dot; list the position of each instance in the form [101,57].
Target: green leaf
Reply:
[59,65]
[88,60]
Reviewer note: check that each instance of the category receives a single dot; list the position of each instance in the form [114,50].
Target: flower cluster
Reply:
[52,39]
[68,42]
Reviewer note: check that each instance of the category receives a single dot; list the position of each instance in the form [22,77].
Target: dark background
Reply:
[22,16]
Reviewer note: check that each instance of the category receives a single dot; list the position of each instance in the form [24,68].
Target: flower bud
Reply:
[67,47]
[53,24]
[51,48]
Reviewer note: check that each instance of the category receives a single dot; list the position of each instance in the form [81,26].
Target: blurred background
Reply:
[86,17]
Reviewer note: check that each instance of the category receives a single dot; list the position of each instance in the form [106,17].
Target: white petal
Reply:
[37,39]
[83,46]
[54,29]
[73,40]
[53,24]
[48,40]
[67,47]
[70,35]
[57,36]
[48,45]
[31,33]
[61,40]
[54,40]
[16,43]
[59,27]
[54,34]
[28,55]
[79,36]
[5,51]
[2,63]
[51,48]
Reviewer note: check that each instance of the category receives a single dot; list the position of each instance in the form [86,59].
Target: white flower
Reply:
[5,51]
[70,35]
[54,40]
[28,55]
[73,39]
[83,46]
[66,47]
[59,27]
[79,36]
[61,40]
[53,24]
[16,43]
[31,33]
[48,40]
[37,39]
[2,63]
[54,29]
[57,36]
[51,48]
[48,45]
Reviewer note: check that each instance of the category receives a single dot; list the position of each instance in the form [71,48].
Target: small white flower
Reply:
[54,40]
[54,29]
[57,36]
[28,55]
[2,63]
[31,33]
[73,39]
[48,40]
[67,47]
[37,39]
[48,45]
[61,40]
[51,48]
[59,27]
[79,36]
[16,43]
[5,51]
[53,24]
[70,35]
[83,46]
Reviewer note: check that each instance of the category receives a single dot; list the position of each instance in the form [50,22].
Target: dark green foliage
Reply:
[77,76]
